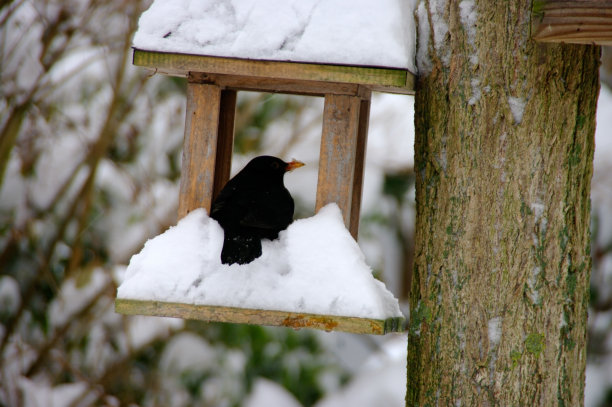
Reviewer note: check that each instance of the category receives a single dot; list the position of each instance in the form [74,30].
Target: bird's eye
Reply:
[275,165]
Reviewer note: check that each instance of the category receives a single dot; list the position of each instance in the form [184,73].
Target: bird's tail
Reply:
[240,249]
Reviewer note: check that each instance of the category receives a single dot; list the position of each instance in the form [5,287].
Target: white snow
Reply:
[469,17]
[437,9]
[601,191]
[603,138]
[75,295]
[391,133]
[187,351]
[517,107]
[424,62]
[433,24]
[142,330]
[314,267]
[532,282]
[380,382]
[10,295]
[357,32]
[538,208]
[42,394]
[494,331]
[598,380]
[476,92]
[268,393]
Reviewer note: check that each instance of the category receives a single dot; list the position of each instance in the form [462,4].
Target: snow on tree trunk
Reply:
[503,158]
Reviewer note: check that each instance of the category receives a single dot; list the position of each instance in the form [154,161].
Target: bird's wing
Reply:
[224,204]
[269,210]
[253,206]
[265,217]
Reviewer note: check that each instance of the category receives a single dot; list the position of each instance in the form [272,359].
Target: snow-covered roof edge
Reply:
[359,32]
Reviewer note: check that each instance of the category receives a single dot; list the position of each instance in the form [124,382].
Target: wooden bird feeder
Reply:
[212,86]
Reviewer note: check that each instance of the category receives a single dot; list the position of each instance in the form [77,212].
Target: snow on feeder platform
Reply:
[313,276]
[341,50]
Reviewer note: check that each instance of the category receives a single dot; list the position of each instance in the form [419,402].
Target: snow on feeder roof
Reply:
[356,32]
[342,50]
[334,41]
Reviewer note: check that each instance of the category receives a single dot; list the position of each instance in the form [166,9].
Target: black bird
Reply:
[253,205]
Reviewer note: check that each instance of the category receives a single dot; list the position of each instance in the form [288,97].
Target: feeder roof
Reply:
[339,32]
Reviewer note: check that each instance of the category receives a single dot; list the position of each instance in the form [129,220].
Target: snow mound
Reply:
[353,32]
[315,266]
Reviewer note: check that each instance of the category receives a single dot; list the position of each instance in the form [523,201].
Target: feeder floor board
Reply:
[259,317]
[391,80]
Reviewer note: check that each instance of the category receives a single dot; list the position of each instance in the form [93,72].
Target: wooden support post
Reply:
[199,147]
[362,141]
[225,140]
[338,153]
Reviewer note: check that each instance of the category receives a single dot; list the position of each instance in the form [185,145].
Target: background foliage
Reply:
[90,151]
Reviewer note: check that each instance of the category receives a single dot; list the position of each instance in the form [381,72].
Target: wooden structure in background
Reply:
[574,22]
[213,83]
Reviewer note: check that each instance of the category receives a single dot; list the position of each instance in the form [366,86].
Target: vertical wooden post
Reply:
[338,153]
[209,137]
[362,141]
[199,147]
[225,140]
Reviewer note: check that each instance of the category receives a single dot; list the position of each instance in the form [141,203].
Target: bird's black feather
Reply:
[253,205]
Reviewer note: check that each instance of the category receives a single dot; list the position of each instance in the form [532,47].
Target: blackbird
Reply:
[253,205]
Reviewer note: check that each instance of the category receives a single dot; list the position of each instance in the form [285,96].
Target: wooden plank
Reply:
[338,153]
[407,89]
[362,140]
[383,79]
[225,140]
[199,147]
[260,317]
[291,86]
[578,22]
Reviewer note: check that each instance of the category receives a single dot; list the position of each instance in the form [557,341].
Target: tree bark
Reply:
[503,159]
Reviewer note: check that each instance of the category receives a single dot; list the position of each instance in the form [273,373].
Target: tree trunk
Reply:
[503,159]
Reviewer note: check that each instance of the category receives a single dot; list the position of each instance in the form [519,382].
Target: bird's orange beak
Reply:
[293,165]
